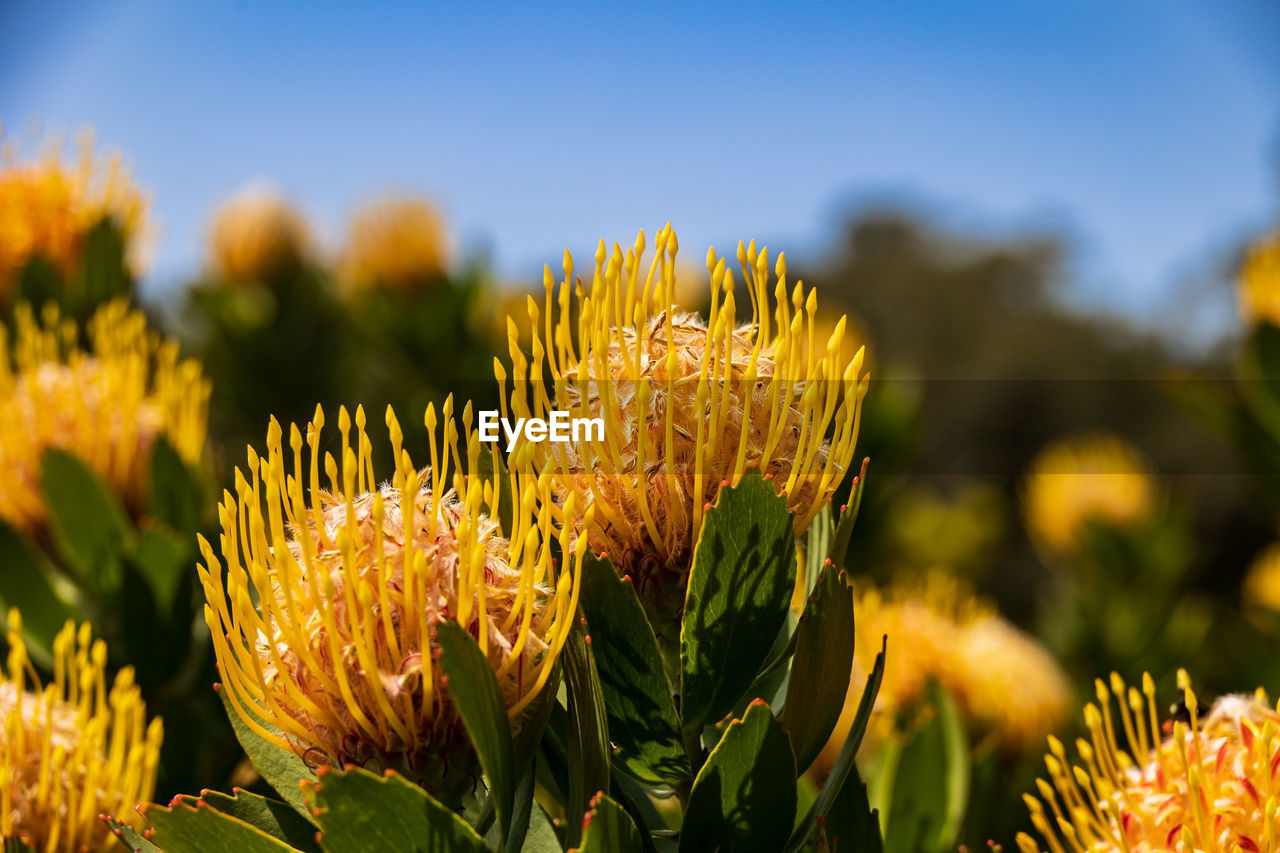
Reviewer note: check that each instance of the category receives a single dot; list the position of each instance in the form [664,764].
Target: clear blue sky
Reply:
[1150,129]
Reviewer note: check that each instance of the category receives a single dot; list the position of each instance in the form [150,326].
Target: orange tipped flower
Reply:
[48,207]
[255,235]
[686,406]
[398,243]
[323,621]
[106,406]
[1259,288]
[1205,781]
[72,749]
[1093,479]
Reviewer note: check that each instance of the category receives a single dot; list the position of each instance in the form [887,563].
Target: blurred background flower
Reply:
[398,243]
[106,404]
[256,234]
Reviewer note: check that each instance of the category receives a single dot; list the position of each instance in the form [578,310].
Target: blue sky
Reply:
[1148,130]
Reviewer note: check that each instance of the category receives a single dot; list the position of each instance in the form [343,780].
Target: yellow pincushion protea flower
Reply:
[1008,688]
[1204,782]
[72,749]
[323,620]
[106,405]
[397,243]
[1259,288]
[47,207]
[1095,478]
[687,406]
[256,234]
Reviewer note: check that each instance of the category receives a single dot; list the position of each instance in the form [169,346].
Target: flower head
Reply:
[323,621]
[1091,479]
[1007,687]
[1261,591]
[1205,781]
[48,207]
[397,243]
[106,405]
[72,749]
[687,406]
[256,234]
[1259,287]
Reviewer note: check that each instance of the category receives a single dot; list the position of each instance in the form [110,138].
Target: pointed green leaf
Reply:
[277,819]
[162,560]
[744,572]
[88,522]
[744,797]
[817,547]
[176,495]
[851,823]
[360,812]
[281,768]
[927,786]
[607,828]
[542,836]
[588,731]
[821,666]
[848,516]
[26,582]
[184,828]
[844,763]
[13,845]
[478,698]
[642,717]
[104,273]
[128,836]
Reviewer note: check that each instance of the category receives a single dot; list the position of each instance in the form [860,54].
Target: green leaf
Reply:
[588,731]
[104,274]
[38,283]
[88,522]
[817,547]
[744,797]
[851,824]
[276,818]
[128,836]
[26,582]
[844,763]
[642,716]
[281,768]
[13,845]
[542,836]
[183,828]
[744,571]
[162,560]
[848,516]
[607,828]
[478,698]
[176,495]
[926,786]
[359,812]
[821,666]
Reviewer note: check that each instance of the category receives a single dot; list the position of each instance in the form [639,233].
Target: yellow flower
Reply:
[256,234]
[72,749]
[1206,783]
[687,406]
[1095,478]
[1262,583]
[106,405]
[47,208]
[1259,287]
[323,621]
[1007,687]
[398,243]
